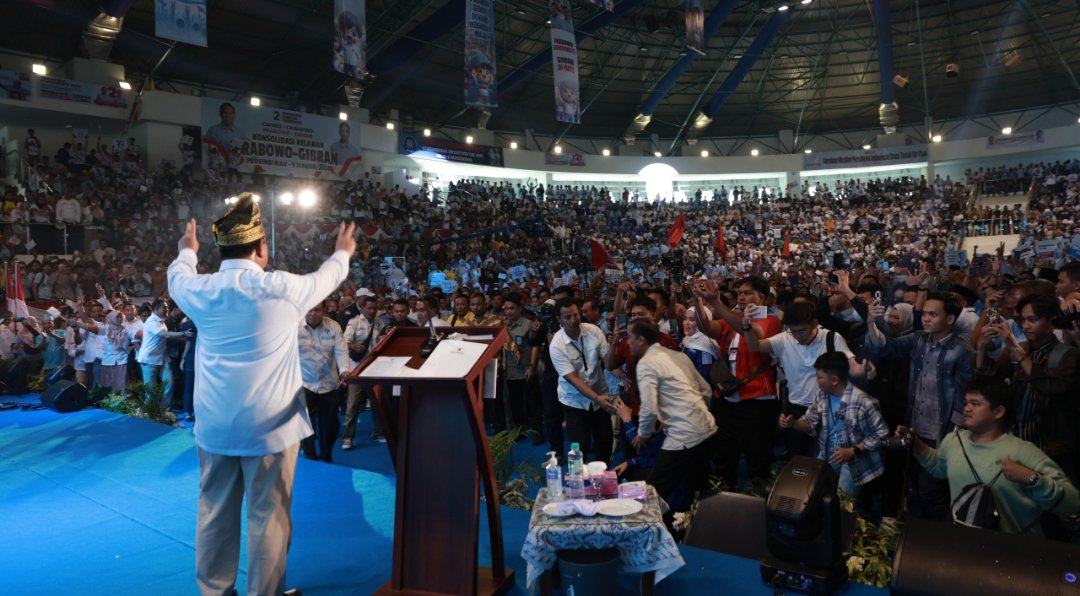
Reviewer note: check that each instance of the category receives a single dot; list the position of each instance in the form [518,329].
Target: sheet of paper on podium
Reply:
[452,358]
[388,366]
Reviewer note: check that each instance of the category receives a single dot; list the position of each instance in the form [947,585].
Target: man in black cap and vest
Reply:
[248,393]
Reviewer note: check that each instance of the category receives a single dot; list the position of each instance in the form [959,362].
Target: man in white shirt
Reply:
[427,308]
[324,360]
[151,356]
[675,395]
[360,336]
[577,353]
[247,381]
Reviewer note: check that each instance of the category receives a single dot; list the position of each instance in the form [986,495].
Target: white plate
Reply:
[552,509]
[619,507]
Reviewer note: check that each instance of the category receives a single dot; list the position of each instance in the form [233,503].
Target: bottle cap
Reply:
[575,446]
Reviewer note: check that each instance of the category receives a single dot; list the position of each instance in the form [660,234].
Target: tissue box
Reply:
[633,490]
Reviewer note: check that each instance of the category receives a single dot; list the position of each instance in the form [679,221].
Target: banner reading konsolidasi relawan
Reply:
[273,141]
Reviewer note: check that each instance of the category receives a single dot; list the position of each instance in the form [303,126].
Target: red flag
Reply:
[674,235]
[721,244]
[787,243]
[600,257]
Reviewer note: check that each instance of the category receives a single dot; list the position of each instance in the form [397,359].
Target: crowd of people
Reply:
[823,320]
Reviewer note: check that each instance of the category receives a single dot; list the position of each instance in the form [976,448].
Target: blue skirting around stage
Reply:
[97,503]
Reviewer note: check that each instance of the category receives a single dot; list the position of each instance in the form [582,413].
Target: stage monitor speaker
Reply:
[730,523]
[941,558]
[64,373]
[64,397]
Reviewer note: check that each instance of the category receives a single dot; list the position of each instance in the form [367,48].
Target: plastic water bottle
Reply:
[554,478]
[575,474]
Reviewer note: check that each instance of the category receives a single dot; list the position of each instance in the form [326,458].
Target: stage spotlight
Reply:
[754,152]
[255,101]
[606,152]
[1007,130]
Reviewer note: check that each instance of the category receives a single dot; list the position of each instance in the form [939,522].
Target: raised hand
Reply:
[345,239]
[190,238]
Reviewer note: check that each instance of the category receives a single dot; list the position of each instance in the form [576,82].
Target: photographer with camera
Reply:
[541,331]
[1024,482]
[1043,372]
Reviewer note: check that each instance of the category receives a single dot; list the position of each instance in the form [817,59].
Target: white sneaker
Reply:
[346,444]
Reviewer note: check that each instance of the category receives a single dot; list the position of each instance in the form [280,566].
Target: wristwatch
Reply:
[1031,482]
[746,326]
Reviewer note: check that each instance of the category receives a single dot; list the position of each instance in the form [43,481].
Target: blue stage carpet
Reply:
[97,503]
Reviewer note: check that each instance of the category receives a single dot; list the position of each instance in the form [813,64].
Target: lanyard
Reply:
[584,360]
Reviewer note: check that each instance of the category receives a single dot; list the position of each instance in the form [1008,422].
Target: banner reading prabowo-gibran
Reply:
[243,137]
[564,63]
[480,82]
[695,26]
[350,37]
[415,145]
[80,92]
[14,85]
[1016,139]
[181,20]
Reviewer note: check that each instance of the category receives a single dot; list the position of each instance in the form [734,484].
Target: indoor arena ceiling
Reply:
[819,74]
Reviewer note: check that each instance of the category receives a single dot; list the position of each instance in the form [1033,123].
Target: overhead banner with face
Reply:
[480,81]
[82,92]
[181,20]
[418,146]
[564,63]
[261,139]
[350,37]
[695,26]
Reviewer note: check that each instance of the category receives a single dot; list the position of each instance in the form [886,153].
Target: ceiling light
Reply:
[469,139]
[805,2]
[255,101]
[342,116]
[657,154]
[39,69]
[782,7]
[866,147]
[936,138]
[643,49]
[704,152]
[557,150]
[754,152]
[126,86]
[606,152]
[427,132]
[808,151]
[1007,130]
[548,21]
[513,144]
[519,12]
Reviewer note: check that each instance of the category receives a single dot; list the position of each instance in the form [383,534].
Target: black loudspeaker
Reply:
[730,523]
[64,373]
[942,558]
[64,397]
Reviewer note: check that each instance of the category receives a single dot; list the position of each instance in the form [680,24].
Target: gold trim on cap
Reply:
[242,234]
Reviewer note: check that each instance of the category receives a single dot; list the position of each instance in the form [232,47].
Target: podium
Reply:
[434,428]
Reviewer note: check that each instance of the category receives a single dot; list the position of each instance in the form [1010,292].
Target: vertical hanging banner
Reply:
[480,82]
[695,26]
[608,5]
[350,37]
[181,20]
[564,63]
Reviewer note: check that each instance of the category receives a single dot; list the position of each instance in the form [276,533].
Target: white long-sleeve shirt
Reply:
[672,390]
[248,364]
[323,356]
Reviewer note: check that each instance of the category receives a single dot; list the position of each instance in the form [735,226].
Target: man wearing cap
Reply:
[247,391]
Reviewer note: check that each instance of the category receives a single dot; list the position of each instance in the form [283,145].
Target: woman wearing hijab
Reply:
[891,389]
[114,357]
[701,348]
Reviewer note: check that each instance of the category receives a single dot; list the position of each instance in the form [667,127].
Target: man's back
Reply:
[249,367]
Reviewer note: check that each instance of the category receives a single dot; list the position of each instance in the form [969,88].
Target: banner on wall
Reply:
[181,20]
[248,139]
[80,92]
[418,146]
[480,82]
[564,159]
[350,37]
[1016,139]
[15,85]
[564,63]
[695,26]
[860,158]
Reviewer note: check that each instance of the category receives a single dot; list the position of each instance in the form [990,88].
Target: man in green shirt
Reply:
[1024,481]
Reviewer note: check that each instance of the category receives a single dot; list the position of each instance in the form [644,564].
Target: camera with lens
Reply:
[900,442]
[547,314]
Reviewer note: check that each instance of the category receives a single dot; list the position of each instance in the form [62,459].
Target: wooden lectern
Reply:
[439,446]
